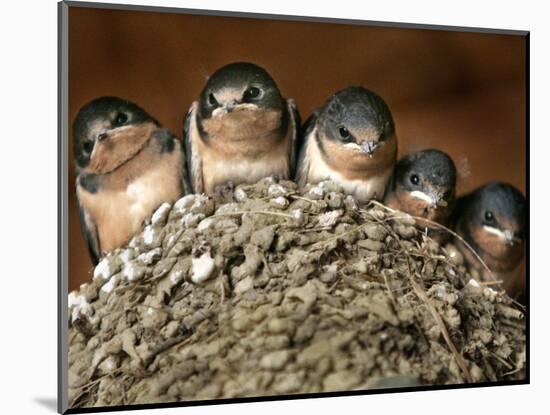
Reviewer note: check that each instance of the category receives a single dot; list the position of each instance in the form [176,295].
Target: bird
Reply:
[127,165]
[240,130]
[350,140]
[423,184]
[492,220]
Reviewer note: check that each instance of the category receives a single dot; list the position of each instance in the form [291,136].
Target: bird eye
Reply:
[489,217]
[415,179]
[212,100]
[88,146]
[252,93]
[121,118]
[344,132]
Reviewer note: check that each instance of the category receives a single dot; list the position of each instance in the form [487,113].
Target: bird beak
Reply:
[433,199]
[509,236]
[103,134]
[430,199]
[230,106]
[225,108]
[369,147]
[438,199]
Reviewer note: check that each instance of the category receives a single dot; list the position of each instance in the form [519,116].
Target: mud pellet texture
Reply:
[274,290]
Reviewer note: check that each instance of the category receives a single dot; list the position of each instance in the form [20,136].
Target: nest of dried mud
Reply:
[280,291]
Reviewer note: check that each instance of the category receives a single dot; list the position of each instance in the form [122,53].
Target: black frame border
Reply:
[62,207]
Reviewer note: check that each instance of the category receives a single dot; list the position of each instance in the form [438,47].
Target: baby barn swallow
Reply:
[240,130]
[127,166]
[423,185]
[351,140]
[492,220]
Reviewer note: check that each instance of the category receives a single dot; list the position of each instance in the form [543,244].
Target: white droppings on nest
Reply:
[228,208]
[329,218]
[240,195]
[439,290]
[474,283]
[191,219]
[490,293]
[103,269]
[109,364]
[148,235]
[176,277]
[130,272]
[490,290]
[134,271]
[280,201]
[110,285]
[75,299]
[317,192]
[205,224]
[160,213]
[297,214]
[202,268]
[184,203]
[276,190]
[150,311]
[148,257]
[79,306]
[200,201]
[126,255]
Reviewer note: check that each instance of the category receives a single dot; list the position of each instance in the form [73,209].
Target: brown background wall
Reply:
[461,92]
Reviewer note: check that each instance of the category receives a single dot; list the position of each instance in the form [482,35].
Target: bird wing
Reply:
[89,231]
[191,136]
[303,163]
[184,176]
[168,141]
[295,132]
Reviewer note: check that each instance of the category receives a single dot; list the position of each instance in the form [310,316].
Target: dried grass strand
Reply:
[439,226]
[419,291]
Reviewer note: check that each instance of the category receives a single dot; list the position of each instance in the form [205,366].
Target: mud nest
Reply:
[270,290]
